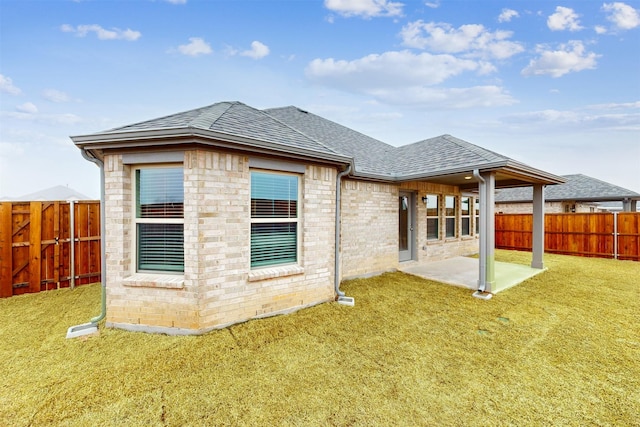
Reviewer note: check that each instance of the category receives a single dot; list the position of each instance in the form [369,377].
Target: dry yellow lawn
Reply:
[561,349]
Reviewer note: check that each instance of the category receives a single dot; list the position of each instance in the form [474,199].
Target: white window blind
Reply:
[274,219]
[160,219]
[433,214]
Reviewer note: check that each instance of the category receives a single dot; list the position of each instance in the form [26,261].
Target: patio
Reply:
[464,272]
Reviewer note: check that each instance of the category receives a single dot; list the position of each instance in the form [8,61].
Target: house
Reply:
[580,193]
[226,213]
[59,192]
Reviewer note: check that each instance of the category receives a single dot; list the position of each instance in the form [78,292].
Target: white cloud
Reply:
[176,1]
[389,69]
[446,98]
[102,33]
[577,120]
[54,119]
[403,78]
[599,29]
[473,40]
[258,50]
[7,86]
[507,15]
[570,57]
[195,47]
[27,107]
[364,8]
[623,16]
[564,19]
[432,4]
[54,95]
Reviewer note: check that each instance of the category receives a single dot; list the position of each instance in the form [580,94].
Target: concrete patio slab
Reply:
[464,271]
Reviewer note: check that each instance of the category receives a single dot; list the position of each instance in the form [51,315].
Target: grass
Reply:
[561,349]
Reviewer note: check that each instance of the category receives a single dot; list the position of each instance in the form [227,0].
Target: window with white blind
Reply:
[159,219]
[433,217]
[450,216]
[274,218]
[465,216]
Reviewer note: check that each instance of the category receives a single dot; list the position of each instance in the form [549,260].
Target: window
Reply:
[274,218]
[432,217]
[159,219]
[450,216]
[465,215]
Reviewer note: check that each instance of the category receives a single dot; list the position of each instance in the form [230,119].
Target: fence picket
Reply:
[35,242]
[605,235]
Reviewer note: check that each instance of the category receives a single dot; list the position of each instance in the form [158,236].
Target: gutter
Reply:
[92,326]
[342,299]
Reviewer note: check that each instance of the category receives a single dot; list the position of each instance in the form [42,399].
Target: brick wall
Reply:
[369,228]
[218,287]
[436,250]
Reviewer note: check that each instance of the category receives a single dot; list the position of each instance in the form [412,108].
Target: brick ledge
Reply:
[274,272]
[150,280]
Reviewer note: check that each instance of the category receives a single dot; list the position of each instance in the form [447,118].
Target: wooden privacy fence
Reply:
[605,235]
[48,245]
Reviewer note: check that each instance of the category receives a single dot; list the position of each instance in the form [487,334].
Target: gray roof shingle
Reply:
[231,118]
[578,187]
[292,129]
[444,152]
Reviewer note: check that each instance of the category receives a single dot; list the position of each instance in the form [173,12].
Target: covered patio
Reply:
[463,272]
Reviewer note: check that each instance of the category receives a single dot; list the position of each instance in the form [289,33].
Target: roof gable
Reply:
[230,118]
[577,188]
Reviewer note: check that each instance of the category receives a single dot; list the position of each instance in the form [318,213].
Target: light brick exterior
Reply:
[218,286]
[370,227]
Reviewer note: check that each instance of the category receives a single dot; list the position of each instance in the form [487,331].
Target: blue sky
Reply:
[554,84]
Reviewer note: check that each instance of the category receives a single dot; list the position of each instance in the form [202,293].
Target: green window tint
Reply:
[160,219]
[274,219]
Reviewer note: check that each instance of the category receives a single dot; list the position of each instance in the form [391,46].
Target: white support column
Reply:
[487,226]
[537,260]
[490,221]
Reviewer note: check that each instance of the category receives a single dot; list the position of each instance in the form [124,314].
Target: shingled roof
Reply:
[577,187]
[293,131]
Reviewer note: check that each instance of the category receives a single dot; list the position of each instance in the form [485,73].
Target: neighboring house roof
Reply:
[58,192]
[576,188]
[293,132]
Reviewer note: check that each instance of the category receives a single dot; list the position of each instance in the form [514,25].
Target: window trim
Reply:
[448,217]
[135,220]
[286,266]
[466,216]
[433,217]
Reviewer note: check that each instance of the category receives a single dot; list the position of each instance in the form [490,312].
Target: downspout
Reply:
[336,280]
[103,228]
[482,279]
[92,327]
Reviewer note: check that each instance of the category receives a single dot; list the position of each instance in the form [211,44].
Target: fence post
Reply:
[35,246]
[72,241]
[6,250]
[615,235]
